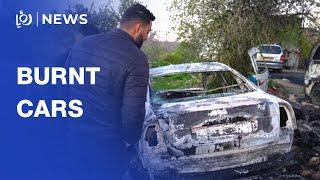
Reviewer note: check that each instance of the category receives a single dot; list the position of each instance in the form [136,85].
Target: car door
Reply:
[312,76]
[313,71]
[261,76]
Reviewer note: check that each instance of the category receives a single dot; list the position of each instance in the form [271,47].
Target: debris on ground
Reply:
[306,145]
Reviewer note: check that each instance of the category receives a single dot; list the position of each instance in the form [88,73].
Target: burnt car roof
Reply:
[188,67]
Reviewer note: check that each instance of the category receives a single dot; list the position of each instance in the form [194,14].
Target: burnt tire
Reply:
[315,94]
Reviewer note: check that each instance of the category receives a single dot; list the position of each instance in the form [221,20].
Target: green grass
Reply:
[177,81]
[272,83]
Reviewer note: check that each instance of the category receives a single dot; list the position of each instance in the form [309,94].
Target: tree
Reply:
[103,19]
[124,4]
[224,30]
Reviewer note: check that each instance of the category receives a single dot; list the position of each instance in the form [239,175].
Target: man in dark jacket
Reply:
[114,108]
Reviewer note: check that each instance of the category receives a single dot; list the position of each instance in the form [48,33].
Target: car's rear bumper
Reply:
[270,64]
[238,160]
[274,162]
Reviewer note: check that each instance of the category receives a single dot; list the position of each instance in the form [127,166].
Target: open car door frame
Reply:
[262,77]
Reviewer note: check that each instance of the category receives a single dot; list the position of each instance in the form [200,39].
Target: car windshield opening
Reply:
[182,86]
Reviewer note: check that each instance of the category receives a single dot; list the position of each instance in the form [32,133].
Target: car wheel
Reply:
[315,94]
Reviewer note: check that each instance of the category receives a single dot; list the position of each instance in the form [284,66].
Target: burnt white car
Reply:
[207,117]
[312,77]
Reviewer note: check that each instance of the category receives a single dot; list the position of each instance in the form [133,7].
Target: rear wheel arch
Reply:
[287,116]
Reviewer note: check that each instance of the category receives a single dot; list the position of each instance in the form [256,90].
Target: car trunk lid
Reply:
[224,121]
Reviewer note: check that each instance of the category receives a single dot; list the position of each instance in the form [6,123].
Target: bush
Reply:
[184,53]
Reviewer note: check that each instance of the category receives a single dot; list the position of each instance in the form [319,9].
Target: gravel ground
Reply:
[306,145]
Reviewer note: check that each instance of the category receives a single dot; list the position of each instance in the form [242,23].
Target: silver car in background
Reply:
[272,56]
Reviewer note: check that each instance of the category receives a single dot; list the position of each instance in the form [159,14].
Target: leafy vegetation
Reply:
[102,19]
[224,30]
[177,81]
[183,53]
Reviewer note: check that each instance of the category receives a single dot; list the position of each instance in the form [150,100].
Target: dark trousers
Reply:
[96,158]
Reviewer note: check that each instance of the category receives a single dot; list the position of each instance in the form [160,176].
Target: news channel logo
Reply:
[23,19]
[26,19]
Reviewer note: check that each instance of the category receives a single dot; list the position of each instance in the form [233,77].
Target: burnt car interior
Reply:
[196,84]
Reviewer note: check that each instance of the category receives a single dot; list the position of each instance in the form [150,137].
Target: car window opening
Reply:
[197,84]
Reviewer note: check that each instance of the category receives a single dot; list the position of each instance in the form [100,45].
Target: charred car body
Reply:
[312,77]
[205,117]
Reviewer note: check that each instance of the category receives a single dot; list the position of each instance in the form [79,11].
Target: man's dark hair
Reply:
[137,12]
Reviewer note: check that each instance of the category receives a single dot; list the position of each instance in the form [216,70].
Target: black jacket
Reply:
[114,108]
